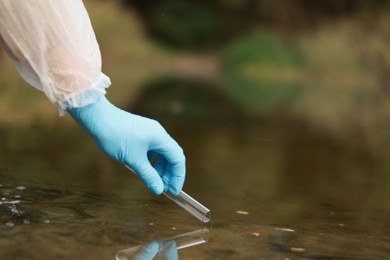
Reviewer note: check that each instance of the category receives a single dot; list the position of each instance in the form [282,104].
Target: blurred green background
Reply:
[312,75]
[325,62]
[282,108]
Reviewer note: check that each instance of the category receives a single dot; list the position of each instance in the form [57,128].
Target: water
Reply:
[278,189]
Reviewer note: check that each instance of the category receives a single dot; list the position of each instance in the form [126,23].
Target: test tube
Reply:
[191,205]
[188,203]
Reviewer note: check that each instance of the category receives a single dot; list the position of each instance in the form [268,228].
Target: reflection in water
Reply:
[165,248]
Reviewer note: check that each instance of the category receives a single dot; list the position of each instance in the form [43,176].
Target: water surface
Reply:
[278,189]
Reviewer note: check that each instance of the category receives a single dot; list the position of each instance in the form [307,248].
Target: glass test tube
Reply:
[191,205]
[188,203]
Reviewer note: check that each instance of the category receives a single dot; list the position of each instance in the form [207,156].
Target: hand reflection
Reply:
[165,248]
[158,250]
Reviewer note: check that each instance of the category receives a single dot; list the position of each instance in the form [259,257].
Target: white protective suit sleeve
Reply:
[53,47]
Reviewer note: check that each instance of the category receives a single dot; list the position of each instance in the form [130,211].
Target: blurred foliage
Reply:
[346,73]
[167,98]
[260,72]
[200,24]
[338,71]
[324,61]
[183,23]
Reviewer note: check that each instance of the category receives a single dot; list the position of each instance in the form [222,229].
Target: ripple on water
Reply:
[9,205]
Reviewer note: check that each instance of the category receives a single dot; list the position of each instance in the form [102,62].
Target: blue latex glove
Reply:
[129,139]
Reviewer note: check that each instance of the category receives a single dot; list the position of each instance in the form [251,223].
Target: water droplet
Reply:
[9,224]
[46,221]
[26,221]
[20,188]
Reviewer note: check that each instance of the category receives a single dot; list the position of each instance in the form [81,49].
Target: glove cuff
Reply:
[85,116]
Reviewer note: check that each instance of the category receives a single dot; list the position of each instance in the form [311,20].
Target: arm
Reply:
[53,47]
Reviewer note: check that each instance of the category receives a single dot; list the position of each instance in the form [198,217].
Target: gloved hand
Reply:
[129,139]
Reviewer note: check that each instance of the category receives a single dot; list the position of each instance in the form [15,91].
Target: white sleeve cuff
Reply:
[89,96]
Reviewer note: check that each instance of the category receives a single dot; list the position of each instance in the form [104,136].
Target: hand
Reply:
[129,139]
